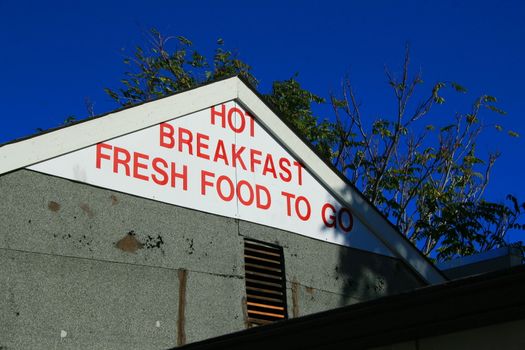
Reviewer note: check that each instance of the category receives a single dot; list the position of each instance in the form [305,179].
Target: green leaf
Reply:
[488,98]
[496,109]
[184,41]
[439,100]
[446,128]
[458,87]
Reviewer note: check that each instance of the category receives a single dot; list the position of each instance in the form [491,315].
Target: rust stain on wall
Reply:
[309,290]
[53,206]
[86,209]
[245,312]
[129,243]
[181,333]
[295,298]
[114,199]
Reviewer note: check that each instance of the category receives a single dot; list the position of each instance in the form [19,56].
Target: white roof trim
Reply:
[370,216]
[49,145]
[58,142]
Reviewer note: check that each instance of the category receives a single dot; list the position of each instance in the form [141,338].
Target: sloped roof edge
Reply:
[62,140]
[337,183]
[26,152]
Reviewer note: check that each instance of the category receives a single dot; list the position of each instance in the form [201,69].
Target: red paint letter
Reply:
[137,165]
[306,216]
[253,160]
[269,167]
[236,156]
[231,120]
[166,132]
[205,182]
[117,160]
[258,190]
[183,176]
[252,123]
[101,156]
[185,141]
[284,164]
[299,172]
[202,145]
[220,180]
[160,171]
[220,152]
[243,201]
[331,217]
[289,198]
[220,114]
[348,226]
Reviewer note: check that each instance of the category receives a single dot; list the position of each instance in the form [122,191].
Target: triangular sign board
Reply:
[219,149]
[218,160]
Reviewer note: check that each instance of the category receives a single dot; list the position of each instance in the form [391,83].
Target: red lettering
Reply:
[138,165]
[299,172]
[330,220]
[289,198]
[269,167]
[185,140]
[220,114]
[348,226]
[232,120]
[253,160]
[121,161]
[166,132]
[220,152]
[284,164]
[183,176]
[236,156]
[159,171]
[258,190]
[220,181]
[308,208]
[205,182]
[202,145]
[247,185]
[252,123]
[100,155]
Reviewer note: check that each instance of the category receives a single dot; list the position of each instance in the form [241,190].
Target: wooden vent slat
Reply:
[255,250]
[271,261]
[258,266]
[250,312]
[265,298]
[265,283]
[266,306]
[260,274]
[273,292]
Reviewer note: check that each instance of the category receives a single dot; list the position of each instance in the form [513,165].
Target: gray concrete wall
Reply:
[84,267]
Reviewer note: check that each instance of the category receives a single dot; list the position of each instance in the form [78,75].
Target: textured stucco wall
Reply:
[84,267]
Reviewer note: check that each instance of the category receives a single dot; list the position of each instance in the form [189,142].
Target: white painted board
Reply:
[218,160]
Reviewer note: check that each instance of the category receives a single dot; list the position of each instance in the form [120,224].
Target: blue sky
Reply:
[56,54]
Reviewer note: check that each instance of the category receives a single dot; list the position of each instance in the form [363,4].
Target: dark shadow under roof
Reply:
[430,311]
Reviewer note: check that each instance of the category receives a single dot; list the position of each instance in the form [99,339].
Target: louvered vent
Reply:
[265,283]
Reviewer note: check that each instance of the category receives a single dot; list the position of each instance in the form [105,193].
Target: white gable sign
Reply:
[222,161]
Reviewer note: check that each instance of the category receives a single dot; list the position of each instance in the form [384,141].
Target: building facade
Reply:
[181,219]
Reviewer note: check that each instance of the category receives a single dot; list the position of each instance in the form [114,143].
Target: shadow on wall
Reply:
[364,271]
[363,276]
